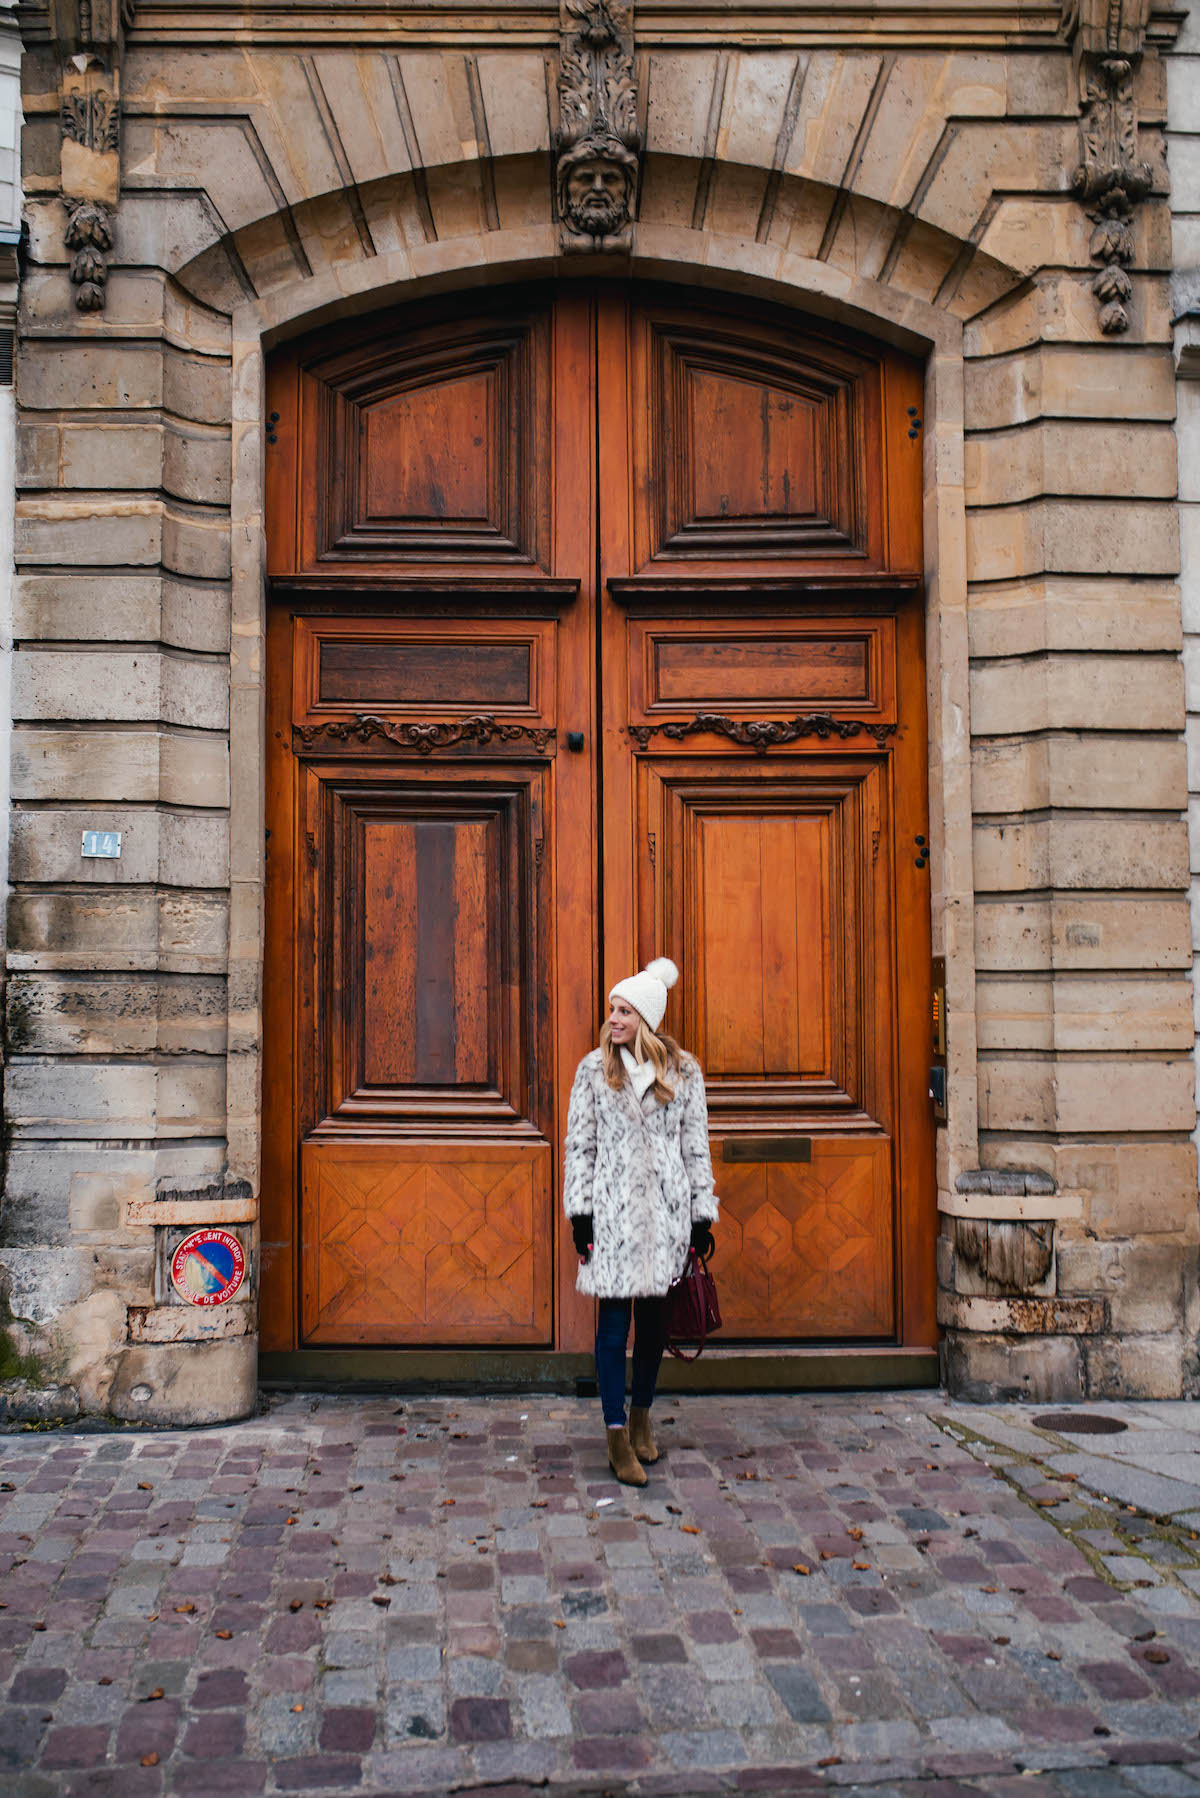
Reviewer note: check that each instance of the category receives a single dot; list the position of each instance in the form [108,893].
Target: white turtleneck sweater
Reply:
[641,1073]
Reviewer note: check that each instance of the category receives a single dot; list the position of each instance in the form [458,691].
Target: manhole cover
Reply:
[1080,1423]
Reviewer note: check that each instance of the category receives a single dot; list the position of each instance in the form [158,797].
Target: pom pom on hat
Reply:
[647,991]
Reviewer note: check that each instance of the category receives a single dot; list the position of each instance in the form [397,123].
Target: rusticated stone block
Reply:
[1136,1367]
[136,685]
[1074,613]
[115,765]
[81,1014]
[74,376]
[111,928]
[189,1323]
[192,1383]
[986,1368]
[133,606]
[1143,1281]
[181,850]
[116,1099]
[1022,1316]
[1077,692]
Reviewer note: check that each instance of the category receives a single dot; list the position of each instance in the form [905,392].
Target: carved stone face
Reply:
[597,197]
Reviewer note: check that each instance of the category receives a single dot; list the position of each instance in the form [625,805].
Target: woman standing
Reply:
[638,1189]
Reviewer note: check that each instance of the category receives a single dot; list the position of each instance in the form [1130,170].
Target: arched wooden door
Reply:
[596,633]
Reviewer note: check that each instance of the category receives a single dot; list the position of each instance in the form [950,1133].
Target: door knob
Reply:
[575,741]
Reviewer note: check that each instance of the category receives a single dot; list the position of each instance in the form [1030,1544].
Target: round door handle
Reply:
[575,741]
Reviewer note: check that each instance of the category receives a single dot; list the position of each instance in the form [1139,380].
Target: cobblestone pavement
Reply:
[887,1594]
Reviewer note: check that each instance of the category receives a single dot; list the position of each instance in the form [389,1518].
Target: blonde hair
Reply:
[661,1051]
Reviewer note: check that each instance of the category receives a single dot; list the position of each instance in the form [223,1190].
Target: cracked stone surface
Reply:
[879,1593]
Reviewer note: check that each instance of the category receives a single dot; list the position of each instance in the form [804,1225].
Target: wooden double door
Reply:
[596,633]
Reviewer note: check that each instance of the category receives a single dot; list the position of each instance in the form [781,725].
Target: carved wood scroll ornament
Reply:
[598,142]
[761,734]
[424,738]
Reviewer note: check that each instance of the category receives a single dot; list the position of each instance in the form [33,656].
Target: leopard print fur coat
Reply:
[644,1171]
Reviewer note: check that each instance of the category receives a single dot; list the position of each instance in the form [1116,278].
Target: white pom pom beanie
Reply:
[647,991]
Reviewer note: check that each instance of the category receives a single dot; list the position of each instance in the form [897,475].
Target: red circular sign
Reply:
[208,1267]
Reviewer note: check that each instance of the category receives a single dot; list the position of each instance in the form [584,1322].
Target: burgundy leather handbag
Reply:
[692,1309]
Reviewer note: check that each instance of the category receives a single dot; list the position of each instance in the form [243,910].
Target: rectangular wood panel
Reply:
[430,453]
[807,1250]
[346,666]
[693,670]
[761,930]
[755,450]
[425,952]
[382,674]
[423,906]
[417,1243]
[845,666]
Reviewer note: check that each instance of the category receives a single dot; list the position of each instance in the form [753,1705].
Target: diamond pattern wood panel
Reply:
[806,1249]
[425,1243]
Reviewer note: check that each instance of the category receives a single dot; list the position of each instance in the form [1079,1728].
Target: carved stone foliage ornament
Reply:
[761,734]
[89,37]
[1111,178]
[598,143]
[424,738]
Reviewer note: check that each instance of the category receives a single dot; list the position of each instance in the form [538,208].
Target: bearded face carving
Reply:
[598,139]
[595,193]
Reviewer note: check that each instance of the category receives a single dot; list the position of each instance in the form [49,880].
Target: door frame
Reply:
[577,1010]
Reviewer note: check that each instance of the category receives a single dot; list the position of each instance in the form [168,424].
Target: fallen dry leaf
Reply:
[295,1604]
[989,1588]
[1158,1657]
[448,1501]
[856,1535]
[1052,1654]
[1002,1641]
[379,1599]
[150,1760]
[559,1624]
[185,1610]
[151,1696]
[861,1566]
[830,1760]
[297,1707]
[226,1635]
[689,1529]
[145,1486]
[801,1568]
[675,1510]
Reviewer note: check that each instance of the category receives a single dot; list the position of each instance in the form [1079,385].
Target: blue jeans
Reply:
[649,1340]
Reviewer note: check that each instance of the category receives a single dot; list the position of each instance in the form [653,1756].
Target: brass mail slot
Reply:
[767,1148]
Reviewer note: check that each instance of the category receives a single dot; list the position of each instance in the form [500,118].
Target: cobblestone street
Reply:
[877,1593]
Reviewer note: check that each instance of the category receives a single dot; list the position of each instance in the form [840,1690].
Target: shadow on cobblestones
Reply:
[875,1594]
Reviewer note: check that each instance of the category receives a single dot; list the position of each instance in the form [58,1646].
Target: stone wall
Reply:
[913,178]
[1183,157]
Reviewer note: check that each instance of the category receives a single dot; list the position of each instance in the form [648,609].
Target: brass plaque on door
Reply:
[767,1148]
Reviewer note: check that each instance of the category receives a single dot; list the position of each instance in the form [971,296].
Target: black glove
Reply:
[581,1230]
[702,1239]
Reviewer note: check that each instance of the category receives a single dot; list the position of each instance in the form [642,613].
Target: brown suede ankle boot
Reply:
[641,1437]
[622,1459]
